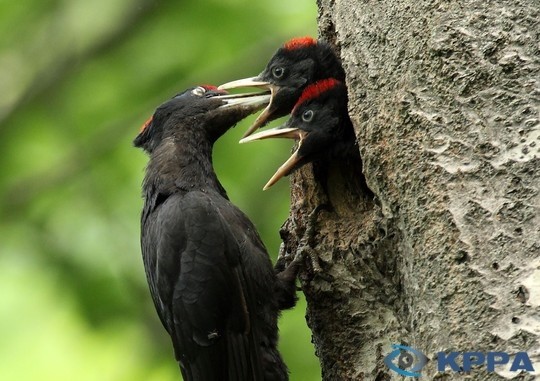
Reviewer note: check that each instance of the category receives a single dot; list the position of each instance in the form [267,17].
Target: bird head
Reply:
[295,65]
[319,122]
[204,110]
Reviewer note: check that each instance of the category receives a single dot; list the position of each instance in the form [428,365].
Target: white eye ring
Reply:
[278,72]
[307,116]
[199,91]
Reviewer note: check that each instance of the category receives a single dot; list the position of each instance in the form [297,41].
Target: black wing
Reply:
[196,274]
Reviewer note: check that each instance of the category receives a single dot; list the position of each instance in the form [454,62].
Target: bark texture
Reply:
[444,96]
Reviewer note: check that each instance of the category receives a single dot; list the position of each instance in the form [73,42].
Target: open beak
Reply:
[245,82]
[264,116]
[281,132]
[250,101]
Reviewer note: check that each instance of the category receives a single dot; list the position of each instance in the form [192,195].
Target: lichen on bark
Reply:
[445,255]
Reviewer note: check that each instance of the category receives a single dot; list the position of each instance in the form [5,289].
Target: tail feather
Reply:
[244,360]
[208,365]
[237,357]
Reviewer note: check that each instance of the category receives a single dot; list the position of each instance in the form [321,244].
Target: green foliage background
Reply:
[78,79]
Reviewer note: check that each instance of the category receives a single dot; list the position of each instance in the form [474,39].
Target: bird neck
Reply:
[350,146]
[182,164]
[329,65]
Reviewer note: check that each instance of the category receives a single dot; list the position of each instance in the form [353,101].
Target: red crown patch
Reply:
[316,89]
[299,42]
[146,124]
[209,87]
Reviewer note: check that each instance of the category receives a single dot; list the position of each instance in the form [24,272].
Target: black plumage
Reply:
[209,274]
[320,123]
[297,64]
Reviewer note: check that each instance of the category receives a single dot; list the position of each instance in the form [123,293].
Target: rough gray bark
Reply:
[444,96]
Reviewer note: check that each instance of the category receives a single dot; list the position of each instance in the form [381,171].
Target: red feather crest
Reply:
[209,87]
[316,89]
[146,124]
[299,42]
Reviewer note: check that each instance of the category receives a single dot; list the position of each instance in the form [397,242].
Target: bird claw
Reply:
[304,252]
[306,243]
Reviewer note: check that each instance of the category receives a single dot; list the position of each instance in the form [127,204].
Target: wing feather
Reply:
[196,268]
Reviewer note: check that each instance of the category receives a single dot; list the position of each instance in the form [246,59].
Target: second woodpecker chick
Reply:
[319,122]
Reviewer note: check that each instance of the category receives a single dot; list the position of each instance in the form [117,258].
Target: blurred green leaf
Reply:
[79,78]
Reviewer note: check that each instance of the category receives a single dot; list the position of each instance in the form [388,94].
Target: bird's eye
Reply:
[307,116]
[198,91]
[278,72]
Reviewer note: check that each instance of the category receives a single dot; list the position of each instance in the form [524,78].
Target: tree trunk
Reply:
[445,256]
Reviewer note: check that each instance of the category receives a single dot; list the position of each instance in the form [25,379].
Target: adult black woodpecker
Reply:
[297,64]
[320,123]
[210,276]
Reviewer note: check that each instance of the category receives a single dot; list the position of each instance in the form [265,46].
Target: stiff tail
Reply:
[237,357]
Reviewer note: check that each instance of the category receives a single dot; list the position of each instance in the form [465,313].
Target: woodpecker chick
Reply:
[319,122]
[297,64]
[209,274]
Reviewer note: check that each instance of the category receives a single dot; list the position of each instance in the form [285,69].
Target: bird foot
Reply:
[304,252]
[306,243]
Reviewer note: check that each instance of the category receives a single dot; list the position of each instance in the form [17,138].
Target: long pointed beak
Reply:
[247,100]
[278,132]
[281,132]
[245,82]
[285,169]
[264,116]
